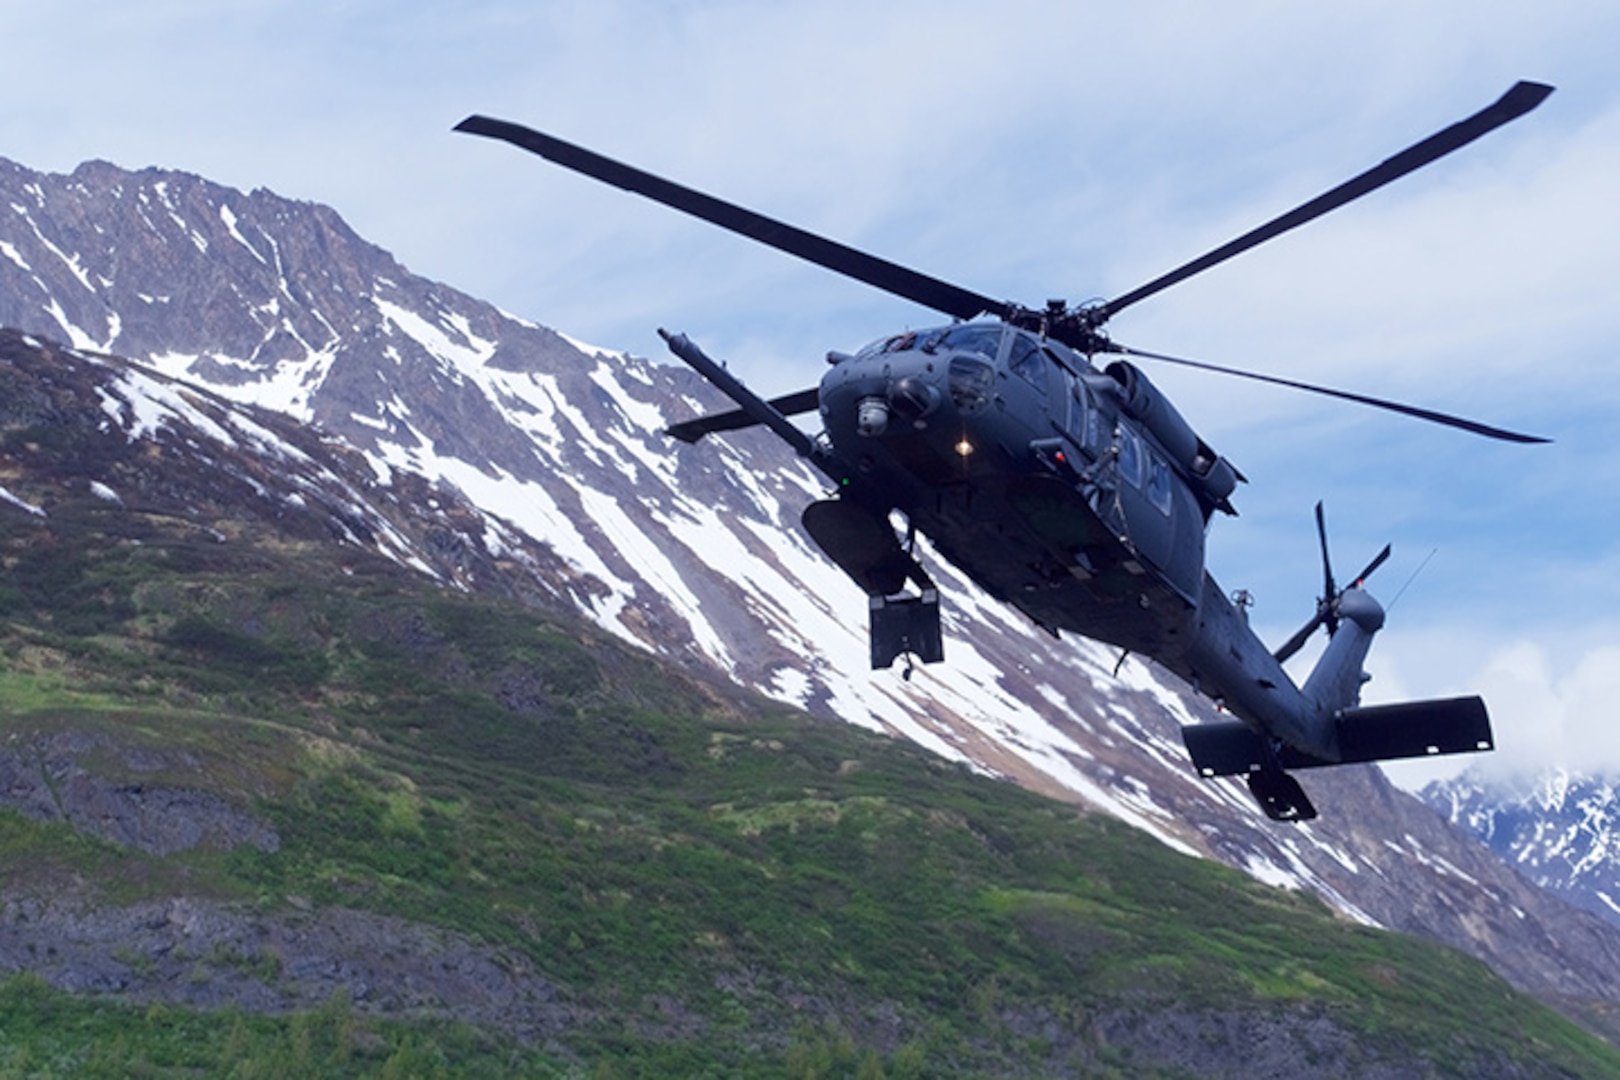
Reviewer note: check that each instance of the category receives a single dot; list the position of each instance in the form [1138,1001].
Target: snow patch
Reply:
[466,357]
[8,497]
[587,348]
[230,219]
[11,252]
[76,337]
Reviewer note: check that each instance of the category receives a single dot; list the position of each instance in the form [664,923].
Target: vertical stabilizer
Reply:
[1335,682]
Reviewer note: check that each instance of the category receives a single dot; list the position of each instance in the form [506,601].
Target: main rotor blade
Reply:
[1520,99]
[890,277]
[1362,399]
[690,431]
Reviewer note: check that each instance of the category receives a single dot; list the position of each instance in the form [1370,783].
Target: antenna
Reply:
[1402,591]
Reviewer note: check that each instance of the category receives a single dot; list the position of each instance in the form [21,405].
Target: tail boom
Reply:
[1281,727]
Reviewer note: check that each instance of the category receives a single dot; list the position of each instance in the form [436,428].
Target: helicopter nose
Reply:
[908,398]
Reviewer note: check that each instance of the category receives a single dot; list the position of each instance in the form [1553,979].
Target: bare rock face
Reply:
[291,373]
[46,781]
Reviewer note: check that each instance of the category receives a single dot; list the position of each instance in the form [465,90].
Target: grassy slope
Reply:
[719,885]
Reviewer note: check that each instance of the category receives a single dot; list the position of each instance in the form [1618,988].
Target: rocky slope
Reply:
[275,802]
[494,454]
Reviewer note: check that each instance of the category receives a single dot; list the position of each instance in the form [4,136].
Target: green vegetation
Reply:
[711,884]
[48,1033]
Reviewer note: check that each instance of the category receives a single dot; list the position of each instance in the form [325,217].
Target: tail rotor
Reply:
[1327,605]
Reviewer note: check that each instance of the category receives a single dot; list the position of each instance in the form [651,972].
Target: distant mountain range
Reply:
[496,455]
[1561,831]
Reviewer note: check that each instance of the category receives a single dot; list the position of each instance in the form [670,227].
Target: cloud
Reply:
[1565,716]
[1554,701]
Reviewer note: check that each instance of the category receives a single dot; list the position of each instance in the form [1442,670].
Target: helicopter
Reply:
[1076,493]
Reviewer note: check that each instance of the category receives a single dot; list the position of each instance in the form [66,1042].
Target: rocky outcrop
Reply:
[47,781]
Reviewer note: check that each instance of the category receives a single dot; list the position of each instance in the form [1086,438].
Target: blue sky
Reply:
[1026,150]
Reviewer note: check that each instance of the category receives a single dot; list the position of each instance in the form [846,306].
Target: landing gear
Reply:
[861,541]
[1280,796]
[906,626]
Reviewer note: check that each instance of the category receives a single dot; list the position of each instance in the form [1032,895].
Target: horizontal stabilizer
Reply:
[1415,729]
[1227,748]
[691,431]
[1378,733]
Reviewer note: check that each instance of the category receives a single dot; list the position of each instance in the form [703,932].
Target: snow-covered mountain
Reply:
[1561,830]
[496,454]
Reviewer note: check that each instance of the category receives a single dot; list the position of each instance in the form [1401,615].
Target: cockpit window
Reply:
[881,345]
[971,381]
[1026,361]
[981,338]
[1083,428]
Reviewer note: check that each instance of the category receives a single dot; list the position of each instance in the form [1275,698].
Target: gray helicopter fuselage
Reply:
[1077,496]
[1080,497]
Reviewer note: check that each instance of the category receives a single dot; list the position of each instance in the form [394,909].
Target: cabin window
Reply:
[1158,483]
[1130,457]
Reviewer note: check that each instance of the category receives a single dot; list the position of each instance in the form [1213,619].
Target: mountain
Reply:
[498,457]
[1562,830]
[275,801]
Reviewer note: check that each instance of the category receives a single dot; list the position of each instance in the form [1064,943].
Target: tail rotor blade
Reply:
[1329,588]
[1297,642]
[1327,605]
[1327,608]
[1378,560]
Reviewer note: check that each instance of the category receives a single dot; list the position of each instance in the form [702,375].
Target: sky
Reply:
[1024,149]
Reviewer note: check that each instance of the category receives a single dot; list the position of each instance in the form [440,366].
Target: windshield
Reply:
[981,338]
[971,381]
